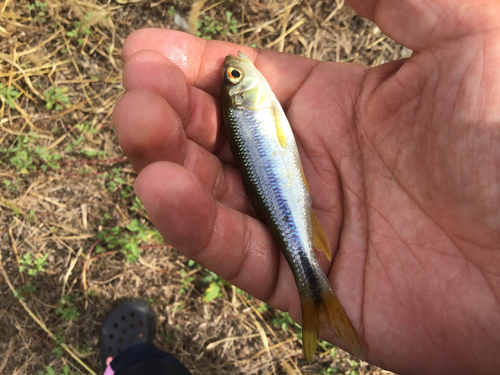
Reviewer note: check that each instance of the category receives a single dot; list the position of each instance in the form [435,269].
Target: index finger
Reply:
[201,60]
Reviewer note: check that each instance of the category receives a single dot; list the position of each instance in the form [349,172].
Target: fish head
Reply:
[243,85]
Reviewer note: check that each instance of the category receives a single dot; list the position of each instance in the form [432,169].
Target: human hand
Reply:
[402,160]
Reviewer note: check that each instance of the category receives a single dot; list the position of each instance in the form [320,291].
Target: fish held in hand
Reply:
[267,157]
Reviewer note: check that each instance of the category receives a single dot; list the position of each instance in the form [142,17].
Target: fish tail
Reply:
[326,312]
[310,326]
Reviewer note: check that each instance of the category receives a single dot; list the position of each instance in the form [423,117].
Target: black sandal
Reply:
[130,323]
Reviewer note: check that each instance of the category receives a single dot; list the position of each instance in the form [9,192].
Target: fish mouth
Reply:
[241,57]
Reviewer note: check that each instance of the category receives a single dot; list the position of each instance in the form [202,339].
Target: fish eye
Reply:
[234,75]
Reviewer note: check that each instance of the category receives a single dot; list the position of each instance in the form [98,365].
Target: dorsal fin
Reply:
[279,127]
[304,178]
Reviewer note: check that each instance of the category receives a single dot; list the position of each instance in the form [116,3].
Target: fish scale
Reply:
[284,198]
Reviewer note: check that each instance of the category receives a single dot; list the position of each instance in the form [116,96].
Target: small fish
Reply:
[267,157]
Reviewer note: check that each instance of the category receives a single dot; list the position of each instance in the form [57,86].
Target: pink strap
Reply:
[109,370]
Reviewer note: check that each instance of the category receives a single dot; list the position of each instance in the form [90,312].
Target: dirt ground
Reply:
[74,237]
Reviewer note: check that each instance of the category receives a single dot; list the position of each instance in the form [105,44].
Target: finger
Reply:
[140,118]
[235,246]
[198,111]
[150,70]
[149,130]
[418,24]
[222,181]
[201,60]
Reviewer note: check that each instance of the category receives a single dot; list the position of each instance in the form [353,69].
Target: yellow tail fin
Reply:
[327,314]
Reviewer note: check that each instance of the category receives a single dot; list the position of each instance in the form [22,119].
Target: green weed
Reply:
[39,8]
[86,127]
[185,281]
[31,217]
[167,337]
[262,307]
[27,155]
[92,293]
[328,371]
[33,266]
[137,205]
[243,293]
[212,292]
[105,217]
[180,308]
[73,144]
[354,365]
[209,27]
[58,351]
[24,291]
[81,28]
[192,263]
[125,192]
[59,339]
[84,170]
[283,320]
[113,179]
[84,349]
[100,154]
[127,239]
[11,184]
[326,346]
[214,289]
[67,371]
[8,95]
[50,371]
[67,309]
[56,96]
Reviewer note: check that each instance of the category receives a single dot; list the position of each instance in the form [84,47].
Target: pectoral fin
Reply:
[319,239]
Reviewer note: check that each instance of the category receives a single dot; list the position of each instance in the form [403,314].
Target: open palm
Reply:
[403,162]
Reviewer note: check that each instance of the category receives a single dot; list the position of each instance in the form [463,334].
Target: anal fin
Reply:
[319,238]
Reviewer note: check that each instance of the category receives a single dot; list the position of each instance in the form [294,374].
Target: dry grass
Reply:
[68,214]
